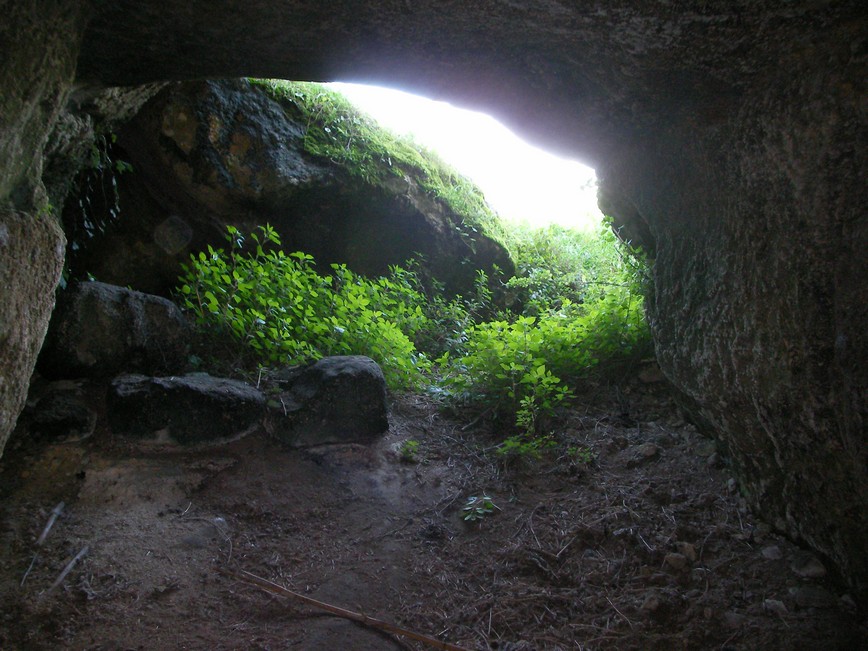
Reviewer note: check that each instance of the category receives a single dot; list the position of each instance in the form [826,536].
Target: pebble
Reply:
[809,568]
[733,620]
[651,603]
[676,561]
[706,448]
[775,606]
[812,596]
[772,553]
[686,549]
[648,450]
[731,485]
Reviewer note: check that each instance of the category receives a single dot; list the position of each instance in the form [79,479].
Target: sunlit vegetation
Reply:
[338,131]
[561,322]
[514,348]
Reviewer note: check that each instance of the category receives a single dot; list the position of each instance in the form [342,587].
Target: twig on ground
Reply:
[66,570]
[55,513]
[364,620]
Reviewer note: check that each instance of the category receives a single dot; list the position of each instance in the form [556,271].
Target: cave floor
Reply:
[646,545]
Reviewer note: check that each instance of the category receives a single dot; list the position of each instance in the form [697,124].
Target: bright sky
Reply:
[520,182]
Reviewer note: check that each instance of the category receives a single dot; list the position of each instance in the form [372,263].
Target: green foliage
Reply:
[525,445]
[281,311]
[478,507]
[580,455]
[409,451]
[582,309]
[338,131]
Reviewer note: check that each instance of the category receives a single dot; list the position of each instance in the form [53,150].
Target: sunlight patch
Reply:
[521,182]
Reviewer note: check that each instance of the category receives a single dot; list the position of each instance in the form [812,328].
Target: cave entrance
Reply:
[523,183]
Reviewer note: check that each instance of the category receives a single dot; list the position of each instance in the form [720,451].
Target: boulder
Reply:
[338,399]
[215,153]
[194,408]
[31,259]
[100,330]
[63,413]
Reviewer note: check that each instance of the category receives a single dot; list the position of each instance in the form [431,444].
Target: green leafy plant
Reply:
[525,446]
[580,455]
[280,311]
[409,451]
[581,309]
[478,507]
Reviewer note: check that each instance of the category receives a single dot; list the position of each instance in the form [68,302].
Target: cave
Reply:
[728,140]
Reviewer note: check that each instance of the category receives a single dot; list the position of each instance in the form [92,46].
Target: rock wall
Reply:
[726,135]
[38,45]
[760,289]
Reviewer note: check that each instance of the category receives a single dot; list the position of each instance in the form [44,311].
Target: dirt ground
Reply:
[635,539]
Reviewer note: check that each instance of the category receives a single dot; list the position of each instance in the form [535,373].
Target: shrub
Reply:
[281,311]
[583,307]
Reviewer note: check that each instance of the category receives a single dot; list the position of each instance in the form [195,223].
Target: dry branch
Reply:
[66,570]
[273,588]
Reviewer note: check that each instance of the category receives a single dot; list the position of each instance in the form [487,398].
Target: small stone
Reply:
[775,606]
[731,485]
[848,603]
[675,561]
[687,549]
[733,620]
[651,375]
[651,603]
[706,448]
[648,450]
[812,596]
[772,553]
[809,567]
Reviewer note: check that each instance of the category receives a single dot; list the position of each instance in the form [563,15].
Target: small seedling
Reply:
[477,507]
[409,450]
[579,454]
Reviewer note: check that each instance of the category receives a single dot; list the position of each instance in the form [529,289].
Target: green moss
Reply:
[338,131]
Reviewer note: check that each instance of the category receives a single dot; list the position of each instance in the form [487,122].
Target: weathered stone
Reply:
[808,566]
[335,400]
[772,553]
[100,330]
[193,408]
[812,596]
[39,42]
[210,154]
[31,258]
[62,414]
[676,561]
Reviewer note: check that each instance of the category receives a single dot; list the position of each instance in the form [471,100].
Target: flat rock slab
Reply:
[195,408]
[338,399]
[100,330]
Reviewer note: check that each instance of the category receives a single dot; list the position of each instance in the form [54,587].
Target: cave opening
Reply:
[727,140]
[522,182]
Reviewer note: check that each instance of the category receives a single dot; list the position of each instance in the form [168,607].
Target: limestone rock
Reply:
[194,408]
[100,330]
[338,399]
